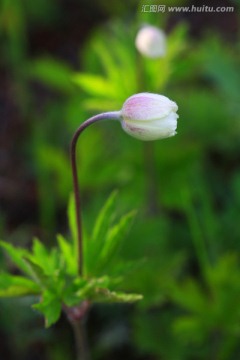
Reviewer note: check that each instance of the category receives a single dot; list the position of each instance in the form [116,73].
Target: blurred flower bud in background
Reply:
[147,116]
[151,41]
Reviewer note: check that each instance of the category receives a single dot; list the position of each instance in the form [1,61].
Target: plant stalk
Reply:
[80,340]
[76,316]
[114,115]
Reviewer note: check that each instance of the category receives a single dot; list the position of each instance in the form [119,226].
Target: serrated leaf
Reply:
[104,218]
[86,289]
[17,256]
[106,238]
[81,289]
[14,286]
[70,293]
[97,290]
[48,261]
[102,224]
[37,272]
[108,296]
[115,236]
[66,249]
[50,307]
[39,250]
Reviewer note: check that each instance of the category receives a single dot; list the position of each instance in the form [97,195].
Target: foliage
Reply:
[52,274]
[125,71]
[187,188]
[199,318]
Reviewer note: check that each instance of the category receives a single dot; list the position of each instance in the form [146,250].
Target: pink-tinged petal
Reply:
[149,116]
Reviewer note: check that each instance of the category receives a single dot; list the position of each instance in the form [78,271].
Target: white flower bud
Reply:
[148,116]
[151,42]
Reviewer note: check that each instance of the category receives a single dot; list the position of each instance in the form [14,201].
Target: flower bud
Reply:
[151,42]
[148,116]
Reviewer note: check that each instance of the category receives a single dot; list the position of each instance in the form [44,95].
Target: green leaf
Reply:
[39,250]
[96,85]
[221,65]
[108,296]
[189,327]
[123,268]
[115,236]
[177,41]
[37,272]
[53,163]
[50,307]
[72,221]
[67,251]
[94,103]
[101,48]
[70,294]
[53,73]
[14,286]
[118,61]
[190,296]
[100,229]
[48,261]
[104,218]
[96,290]
[106,238]
[89,290]
[17,256]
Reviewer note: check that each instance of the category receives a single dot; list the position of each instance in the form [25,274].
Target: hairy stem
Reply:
[115,115]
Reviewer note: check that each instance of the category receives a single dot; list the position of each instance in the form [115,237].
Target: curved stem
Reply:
[115,115]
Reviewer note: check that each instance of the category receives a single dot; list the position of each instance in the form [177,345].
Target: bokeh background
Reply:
[65,60]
